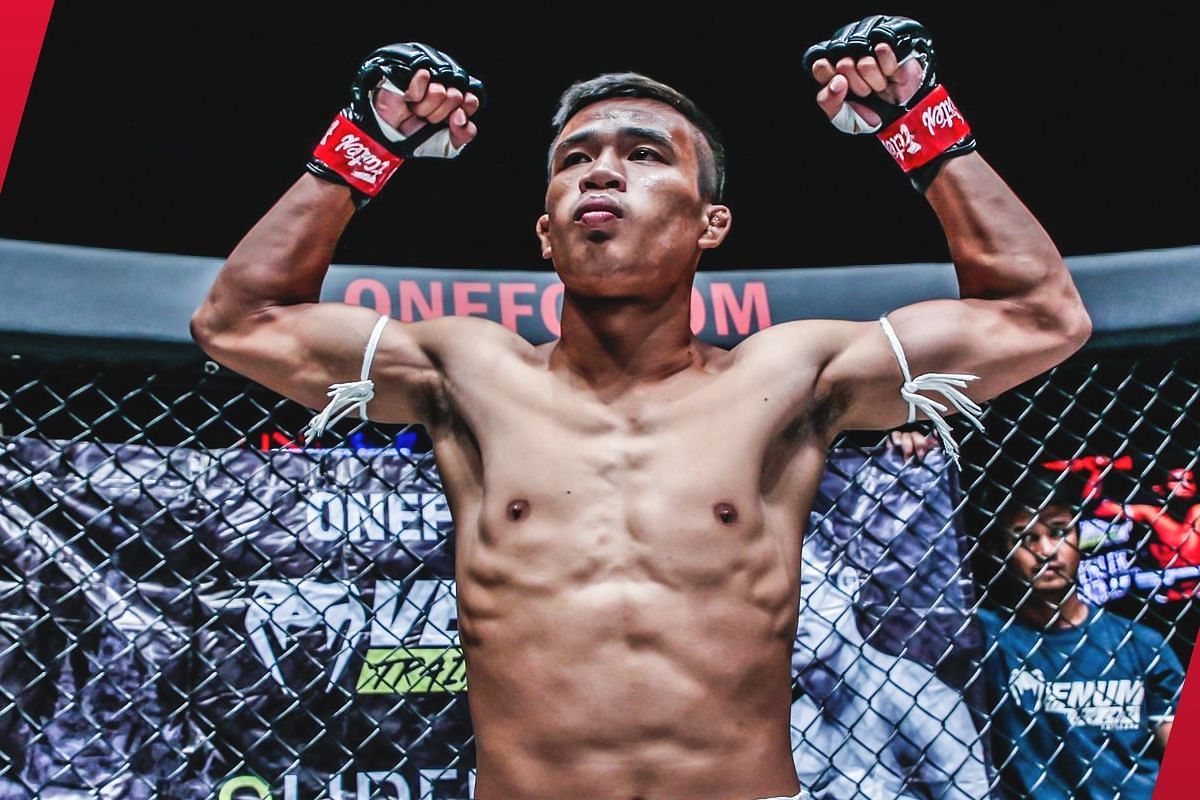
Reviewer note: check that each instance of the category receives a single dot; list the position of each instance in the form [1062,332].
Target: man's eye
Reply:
[574,158]
[644,153]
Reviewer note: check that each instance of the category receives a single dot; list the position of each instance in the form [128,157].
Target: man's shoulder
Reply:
[461,335]
[1121,627]
[798,339]
[1144,644]
[990,621]
[466,325]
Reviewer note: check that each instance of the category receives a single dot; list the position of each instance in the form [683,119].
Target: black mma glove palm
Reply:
[921,129]
[360,149]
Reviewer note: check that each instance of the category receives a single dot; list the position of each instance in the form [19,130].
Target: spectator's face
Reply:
[1044,548]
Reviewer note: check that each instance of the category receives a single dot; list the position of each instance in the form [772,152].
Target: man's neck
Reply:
[614,344]
[1053,611]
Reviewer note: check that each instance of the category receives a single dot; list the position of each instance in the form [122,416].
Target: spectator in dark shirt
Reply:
[1080,699]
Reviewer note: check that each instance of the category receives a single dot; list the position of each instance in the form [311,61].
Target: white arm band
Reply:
[345,396]
[949,385]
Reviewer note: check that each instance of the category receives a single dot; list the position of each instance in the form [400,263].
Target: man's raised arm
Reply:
[262,317]
[1019,312]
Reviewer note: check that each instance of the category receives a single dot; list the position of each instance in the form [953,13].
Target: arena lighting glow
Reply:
[403,442]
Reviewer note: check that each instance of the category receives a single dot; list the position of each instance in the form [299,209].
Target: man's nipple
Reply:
[725,512]
[518,510]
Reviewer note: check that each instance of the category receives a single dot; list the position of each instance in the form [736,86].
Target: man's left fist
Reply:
[879,75]
[407,100]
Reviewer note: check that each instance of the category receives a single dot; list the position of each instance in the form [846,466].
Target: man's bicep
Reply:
[300,350]
[992,341]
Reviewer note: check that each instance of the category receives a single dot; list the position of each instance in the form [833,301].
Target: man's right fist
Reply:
[407,101]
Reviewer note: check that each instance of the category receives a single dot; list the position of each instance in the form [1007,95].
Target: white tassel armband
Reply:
[947,384]
[345,396]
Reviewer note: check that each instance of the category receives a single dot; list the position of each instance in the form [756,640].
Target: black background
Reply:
[173,126]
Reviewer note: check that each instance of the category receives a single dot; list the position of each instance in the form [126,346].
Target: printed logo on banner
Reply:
[407,517]
[1106,704]
[280,610]
[414,645]
[414,641]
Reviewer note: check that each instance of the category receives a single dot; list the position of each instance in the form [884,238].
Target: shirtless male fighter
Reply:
[628,591]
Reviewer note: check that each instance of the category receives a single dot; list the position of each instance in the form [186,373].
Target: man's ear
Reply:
[718,220]
[543,233]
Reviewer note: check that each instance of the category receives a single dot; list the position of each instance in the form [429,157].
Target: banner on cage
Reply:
[886,642]
[228,624]
[1137,528]
[241,624]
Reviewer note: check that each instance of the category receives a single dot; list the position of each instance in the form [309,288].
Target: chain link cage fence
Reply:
[192,606]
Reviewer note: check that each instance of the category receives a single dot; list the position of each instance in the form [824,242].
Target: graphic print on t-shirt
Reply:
[1111,705]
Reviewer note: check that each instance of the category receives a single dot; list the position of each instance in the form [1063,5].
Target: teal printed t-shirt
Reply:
[1074,710]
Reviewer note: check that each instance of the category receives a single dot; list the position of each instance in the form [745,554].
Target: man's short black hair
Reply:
[632,84]
[1034,490]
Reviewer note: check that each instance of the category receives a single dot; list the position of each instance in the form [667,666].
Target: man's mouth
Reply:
[1051,570]
[596,219]
[597,212]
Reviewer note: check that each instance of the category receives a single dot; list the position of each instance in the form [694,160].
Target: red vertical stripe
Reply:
[22,29]
[1177,777]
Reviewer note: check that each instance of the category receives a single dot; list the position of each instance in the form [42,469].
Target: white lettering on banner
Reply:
[902,144]
[941,115]
[413,633]
[367,786]
[378,517]
[414,641]
[280,610]
[426,617]
[360,155]
[1107,704]
[431,778]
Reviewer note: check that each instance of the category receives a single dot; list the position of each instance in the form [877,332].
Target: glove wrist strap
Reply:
[363,163]
[926,131]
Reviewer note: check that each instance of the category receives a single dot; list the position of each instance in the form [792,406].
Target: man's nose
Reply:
[604,173]
[1044,547]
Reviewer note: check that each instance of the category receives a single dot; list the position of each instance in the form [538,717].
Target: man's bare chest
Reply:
[707,443]
[697,485]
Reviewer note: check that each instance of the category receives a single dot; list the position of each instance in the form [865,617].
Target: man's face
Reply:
[1045,548]
[624,215]
[1181,484]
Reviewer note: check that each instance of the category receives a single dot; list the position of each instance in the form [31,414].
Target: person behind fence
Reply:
[1081,700]
[866,724]
[628,583]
